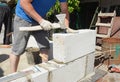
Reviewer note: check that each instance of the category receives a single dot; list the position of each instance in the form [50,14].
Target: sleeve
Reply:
[63,0]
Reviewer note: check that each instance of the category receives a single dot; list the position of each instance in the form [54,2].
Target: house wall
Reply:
[116,26]
[103,2]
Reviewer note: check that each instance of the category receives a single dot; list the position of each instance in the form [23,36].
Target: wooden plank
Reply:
[98,48]
[102,35]
[106,14]
[103,24]
[38,27]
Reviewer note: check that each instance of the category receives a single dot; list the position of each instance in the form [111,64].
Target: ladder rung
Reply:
[98,48]
[106,14]
[104,24]
[102,35]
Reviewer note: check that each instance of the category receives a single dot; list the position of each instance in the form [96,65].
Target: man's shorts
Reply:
[20,38]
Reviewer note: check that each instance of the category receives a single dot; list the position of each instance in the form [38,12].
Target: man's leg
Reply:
[14,60]
[43,43]
[19,43]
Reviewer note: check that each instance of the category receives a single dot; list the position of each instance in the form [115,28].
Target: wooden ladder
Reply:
[106,24]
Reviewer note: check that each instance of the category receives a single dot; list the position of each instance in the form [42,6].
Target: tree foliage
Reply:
[73,5]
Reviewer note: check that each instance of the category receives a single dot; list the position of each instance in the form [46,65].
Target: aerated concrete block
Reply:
[70,46]
[22,79]
[31,74]
[41,76]
[90,63]
[14,76]
[69,72]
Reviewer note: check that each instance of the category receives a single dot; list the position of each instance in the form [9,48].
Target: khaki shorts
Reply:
[20,38]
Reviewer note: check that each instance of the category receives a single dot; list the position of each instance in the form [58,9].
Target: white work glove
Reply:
[46,25]
[69,30]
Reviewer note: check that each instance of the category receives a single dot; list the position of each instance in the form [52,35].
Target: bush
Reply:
[73,5]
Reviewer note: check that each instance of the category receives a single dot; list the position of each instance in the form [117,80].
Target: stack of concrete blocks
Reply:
[73,59]
[70,47]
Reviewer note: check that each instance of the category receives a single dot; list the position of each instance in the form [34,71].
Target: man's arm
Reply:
[28,8]
[64,9]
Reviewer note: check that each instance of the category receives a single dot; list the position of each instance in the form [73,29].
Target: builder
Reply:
[31,13]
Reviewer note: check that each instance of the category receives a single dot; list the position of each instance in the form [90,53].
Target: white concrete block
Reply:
[69,72]
[31,74]
[22,79]
[90,63]
[70,46]
[41,76]
[13,76]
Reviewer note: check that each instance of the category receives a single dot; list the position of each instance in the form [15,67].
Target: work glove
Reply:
[69,30]
[46,25]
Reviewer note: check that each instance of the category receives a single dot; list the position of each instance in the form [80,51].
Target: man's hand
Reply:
[46,25]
